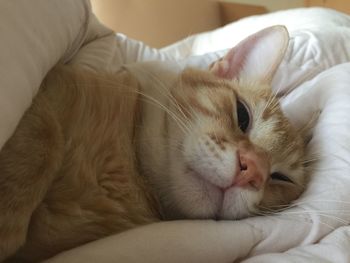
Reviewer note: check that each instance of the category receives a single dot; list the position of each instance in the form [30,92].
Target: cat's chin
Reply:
[201,199]
[238,203]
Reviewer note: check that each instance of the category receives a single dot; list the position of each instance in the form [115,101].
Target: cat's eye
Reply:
[276,176]
[243,116]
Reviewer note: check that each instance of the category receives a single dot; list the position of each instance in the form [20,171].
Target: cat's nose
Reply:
[253,170]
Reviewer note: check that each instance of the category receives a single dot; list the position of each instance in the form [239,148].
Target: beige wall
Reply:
[158,22]
[162,22]
[272,5]
[340,5]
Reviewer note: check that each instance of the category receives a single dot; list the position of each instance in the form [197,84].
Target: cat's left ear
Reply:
[256,58]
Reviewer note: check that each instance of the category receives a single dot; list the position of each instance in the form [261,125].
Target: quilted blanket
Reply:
[314,77]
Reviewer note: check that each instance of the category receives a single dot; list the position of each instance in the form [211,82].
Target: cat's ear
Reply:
[256,57]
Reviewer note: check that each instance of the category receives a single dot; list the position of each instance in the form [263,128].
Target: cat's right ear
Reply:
[255,58]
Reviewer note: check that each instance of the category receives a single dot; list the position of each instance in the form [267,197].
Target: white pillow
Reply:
[33,39]
[37,34]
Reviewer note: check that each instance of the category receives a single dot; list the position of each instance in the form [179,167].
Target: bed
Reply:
[313,77]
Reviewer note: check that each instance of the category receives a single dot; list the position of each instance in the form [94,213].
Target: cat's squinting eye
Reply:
[276,176]
[243,116]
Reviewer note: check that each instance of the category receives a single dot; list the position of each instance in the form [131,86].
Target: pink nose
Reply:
[253,170]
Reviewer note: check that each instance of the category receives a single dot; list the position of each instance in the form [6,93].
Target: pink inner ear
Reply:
[232,63]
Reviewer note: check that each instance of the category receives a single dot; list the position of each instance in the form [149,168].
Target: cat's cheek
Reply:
[196,198]
[211,157]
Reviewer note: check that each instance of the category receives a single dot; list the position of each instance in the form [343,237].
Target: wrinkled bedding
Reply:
[314,77]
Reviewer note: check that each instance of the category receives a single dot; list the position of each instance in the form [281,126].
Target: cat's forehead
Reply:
[191,77]
[253,93]
[245,90]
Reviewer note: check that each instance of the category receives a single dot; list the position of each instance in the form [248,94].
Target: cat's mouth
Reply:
[217,180]
[224,202]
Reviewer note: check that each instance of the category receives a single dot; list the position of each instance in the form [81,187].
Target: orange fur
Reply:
[68,173]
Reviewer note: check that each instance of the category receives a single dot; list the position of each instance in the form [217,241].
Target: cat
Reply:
[95,154]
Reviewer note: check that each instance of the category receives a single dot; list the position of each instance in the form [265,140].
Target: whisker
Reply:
[171,114]
[166,93]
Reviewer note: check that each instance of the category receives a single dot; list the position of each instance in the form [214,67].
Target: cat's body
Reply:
[96,154]
[73,155]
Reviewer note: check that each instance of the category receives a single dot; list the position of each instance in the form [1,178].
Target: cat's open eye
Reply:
[276,176]
[243,116]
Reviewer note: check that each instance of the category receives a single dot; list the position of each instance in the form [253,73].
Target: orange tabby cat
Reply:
[93,157]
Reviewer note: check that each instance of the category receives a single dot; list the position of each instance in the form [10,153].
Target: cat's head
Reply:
[236,154]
